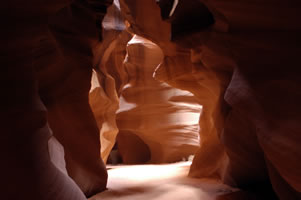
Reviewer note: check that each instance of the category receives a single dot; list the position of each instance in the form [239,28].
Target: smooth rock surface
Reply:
[261,47]
[46,69]
[162,116]
[109,77]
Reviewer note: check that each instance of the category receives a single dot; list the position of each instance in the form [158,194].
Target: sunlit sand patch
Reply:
[160,182]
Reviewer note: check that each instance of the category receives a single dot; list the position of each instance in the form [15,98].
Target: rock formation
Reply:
[238,61]
[108,85]
[239,37]
[109,77]
[47,63]
[185,70]
[165,118]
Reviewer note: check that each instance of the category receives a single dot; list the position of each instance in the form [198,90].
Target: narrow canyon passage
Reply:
[111,100]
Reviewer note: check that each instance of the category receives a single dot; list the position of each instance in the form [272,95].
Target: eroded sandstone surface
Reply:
[171,78]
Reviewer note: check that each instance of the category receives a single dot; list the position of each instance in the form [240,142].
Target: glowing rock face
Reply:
[254,54]
[165,118]
[248,81]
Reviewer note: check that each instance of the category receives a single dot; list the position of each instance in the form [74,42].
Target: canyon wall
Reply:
[250,53]
[165,118]
[124,79]
[46,59]
[110,76]
[237,60]
[183,68]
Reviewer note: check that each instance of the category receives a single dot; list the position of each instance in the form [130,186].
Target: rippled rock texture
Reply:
[165,118]
[183,68]
[250,52]
[218,79]
[110,77]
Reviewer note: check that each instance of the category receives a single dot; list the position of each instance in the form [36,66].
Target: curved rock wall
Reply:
[260,53]
[180,72]
[165,118]
[183,68]
[109,85]
[258,133]
[240,60]
[110,76]
[47,62]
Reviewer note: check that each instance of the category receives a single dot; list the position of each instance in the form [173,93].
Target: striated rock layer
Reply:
[240,60]
[182,68]
[110,76]
[164,118]
[256,111]
[116,76]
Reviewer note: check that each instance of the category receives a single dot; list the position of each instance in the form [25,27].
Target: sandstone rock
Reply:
[109,77]
[52,63]
[256,42]
[237,60]
[180,72]
[128,144]
[258,55]
[183,69]
[162,116]
[74,29]
[28,172]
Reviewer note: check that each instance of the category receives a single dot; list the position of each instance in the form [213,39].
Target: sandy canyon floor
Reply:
[159,182]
